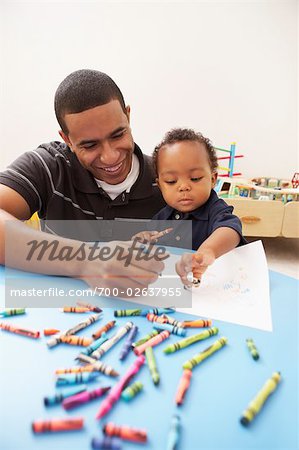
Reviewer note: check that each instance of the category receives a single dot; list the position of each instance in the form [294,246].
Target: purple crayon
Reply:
[84,397]
[106,443]
[128,344]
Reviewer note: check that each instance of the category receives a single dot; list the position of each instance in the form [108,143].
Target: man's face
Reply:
[102,141]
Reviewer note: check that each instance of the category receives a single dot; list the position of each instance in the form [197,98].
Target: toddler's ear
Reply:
[157,181]
[214,178]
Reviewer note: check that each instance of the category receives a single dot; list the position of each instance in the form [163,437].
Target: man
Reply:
[97,173]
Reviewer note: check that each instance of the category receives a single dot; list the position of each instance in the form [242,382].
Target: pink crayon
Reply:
[116,391]
[152,342]
[84,397]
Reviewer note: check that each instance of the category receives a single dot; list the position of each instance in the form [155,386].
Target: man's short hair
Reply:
[84,89]
[186,134]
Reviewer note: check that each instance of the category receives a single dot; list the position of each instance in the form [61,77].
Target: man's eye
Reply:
[118,135]
[88,146]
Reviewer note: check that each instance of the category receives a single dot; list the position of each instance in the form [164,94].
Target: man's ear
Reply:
[65,138]
[157,181]
[128,112]
[214,178]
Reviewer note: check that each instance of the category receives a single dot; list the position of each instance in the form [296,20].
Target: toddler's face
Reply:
[184,175]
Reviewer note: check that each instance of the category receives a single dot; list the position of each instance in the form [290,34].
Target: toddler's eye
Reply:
[196,178]
[170,181]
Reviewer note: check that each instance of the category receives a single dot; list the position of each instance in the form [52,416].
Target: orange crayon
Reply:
[183,386]
[154,318]
[50,331]
[152,342]
[125,432]
[197,323]
[54,425]
[75,309]
[77,369]
[77,340]
[22,331]
[104,329]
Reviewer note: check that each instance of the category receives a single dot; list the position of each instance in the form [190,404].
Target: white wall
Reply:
[227,69]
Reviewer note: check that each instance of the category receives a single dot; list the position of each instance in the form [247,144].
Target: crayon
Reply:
[84,397]
[190,340]
[128,344]
[131,391]
[76,369]
[50,331]
[91,307]
[197,323]
[75,309]
[60,396]
[124,432]
[97,354]
[12,312]
[95,344]
[252,348]
[77,340]
[75,378]
[98,365]
[152,342]
[173,321]
[171,328]
[157,311]
[174,433]
[183,386]
[54,425]
[115,393]
[80,326]
[104,329]
[127,312]
[106,443]
[198,358]
[259,400]
[21,331]
[154,318]
[152,365]
[145,338]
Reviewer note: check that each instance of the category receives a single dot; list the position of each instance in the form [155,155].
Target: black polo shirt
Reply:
[53,182]
[215,213]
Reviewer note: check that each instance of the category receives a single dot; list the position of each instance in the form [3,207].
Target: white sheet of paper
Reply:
[235,289]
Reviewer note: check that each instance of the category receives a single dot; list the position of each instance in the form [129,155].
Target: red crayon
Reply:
[22,331]
[183,386]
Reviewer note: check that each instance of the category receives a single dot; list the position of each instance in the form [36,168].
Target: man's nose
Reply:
[108,155]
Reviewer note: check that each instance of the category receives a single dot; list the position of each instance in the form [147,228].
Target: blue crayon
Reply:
[157,311]
[174,433]
[171,328]
[76,378]
[92,347]
[106,443]
[128,344]
[60,396]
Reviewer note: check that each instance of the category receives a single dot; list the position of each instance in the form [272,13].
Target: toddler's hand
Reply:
[197,263]
[151,236]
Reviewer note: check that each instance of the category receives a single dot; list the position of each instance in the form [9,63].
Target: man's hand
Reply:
[197,263]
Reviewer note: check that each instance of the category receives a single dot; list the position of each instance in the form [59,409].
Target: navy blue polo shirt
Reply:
[215,213]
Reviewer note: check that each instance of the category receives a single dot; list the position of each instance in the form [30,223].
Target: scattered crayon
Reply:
[21,331]
[152,342]
[98,365]
[173,321]
[76,378]
[97,354]
[95,345]
[106,443]
[50,331]
[197,323]
[12,312]
[75,309]
[171,328]
[154,318]
[128,344]
[259,400]
[174,433]
[84,397]
[60,396]
[131,391]
[115,393]
[198,358]
[252,348]
[157,311]
[190,340]
[77,340]
[76,369]
[124,432]
[152,365]
[91,307]
[127,312]
[145,338]
[54,425]
[183,386]
[104,329]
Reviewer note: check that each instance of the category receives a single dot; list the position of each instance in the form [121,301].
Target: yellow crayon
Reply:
[76,340]
[259,400]
[197,359]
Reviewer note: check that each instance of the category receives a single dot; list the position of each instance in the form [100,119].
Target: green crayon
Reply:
[252,348]
[145,338]
[12,312]
[152,365]
[197,359]
[190,340]
[131,391]
[259,400]
[127,312]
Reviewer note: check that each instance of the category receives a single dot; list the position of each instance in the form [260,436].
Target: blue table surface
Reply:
[221,387]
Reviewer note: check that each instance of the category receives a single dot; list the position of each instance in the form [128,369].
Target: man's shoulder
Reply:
[53,150]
